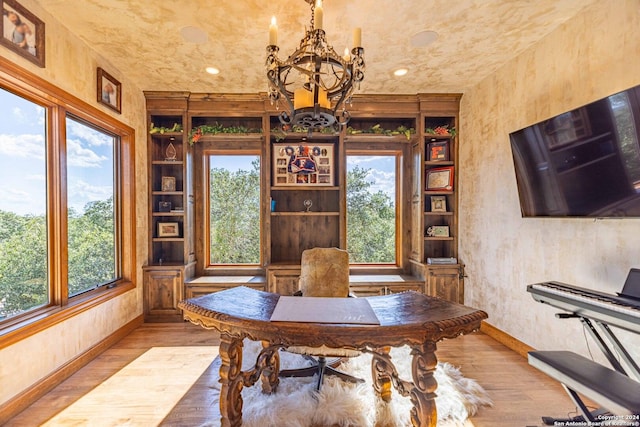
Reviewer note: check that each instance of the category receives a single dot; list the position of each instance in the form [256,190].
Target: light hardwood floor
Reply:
[521,394]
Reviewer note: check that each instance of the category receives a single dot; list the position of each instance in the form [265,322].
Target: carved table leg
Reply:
[231,380]
[270,375]
[381,373]
[424,413]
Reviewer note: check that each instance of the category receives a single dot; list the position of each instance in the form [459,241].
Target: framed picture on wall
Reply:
[22,32]
[303,163]
[109,90]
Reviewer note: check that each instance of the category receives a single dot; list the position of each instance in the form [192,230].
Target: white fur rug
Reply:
[296,403]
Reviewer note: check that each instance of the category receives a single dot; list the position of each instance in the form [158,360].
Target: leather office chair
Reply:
[324,272]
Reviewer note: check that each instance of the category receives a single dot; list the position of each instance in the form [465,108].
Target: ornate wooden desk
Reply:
[407,318]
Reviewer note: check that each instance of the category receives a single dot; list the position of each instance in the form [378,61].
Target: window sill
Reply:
[15,330]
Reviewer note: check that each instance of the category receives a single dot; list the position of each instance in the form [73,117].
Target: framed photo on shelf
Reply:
[164,206]
[439,179]
[109,90]
[303,163]
[168,229]
[438,231]
[438,204]
[438,151]
[22,32]
[168,183]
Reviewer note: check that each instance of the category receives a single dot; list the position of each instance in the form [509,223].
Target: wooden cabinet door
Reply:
[445,282]
[284,281]
[163,290]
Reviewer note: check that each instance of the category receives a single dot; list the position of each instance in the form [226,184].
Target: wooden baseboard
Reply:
[17,404]
[503,338]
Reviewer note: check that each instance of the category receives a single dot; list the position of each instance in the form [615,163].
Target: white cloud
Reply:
[23,202]
[381,180]
[25,145]
[79,156]
[81,192]
[91,136]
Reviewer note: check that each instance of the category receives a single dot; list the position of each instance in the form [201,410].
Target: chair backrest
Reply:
[324,272]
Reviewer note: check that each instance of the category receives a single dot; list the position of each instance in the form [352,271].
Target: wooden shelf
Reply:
[167,193]
[168,214]
[439,213]
[305,187]
[168,239]
[305,213]
[167,162]
[450,238]
[371,137]
[436,163]
[166,135]
[234,136]
[438,192]
[436,136]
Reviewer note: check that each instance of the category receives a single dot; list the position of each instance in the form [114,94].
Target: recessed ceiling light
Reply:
[423,38]
[194,35]
[212,70]
[400,72]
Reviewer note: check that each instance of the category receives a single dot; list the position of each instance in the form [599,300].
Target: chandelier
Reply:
[314,81]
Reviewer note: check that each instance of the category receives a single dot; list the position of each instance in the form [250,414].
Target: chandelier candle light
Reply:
[314,81]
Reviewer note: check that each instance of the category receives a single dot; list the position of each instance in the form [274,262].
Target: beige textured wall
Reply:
[591,56]
[71,65]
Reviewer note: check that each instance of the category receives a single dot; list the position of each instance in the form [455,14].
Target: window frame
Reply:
[58,105]
[399,154]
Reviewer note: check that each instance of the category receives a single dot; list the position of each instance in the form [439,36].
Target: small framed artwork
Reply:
[164,206]
[303,163]
[168,229]
[438,231]
[438,204]
[109,90]
[168,183]
[439,179]
[22,32]
[438,151]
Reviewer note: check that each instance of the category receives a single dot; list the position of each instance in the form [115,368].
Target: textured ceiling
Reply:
[143,38]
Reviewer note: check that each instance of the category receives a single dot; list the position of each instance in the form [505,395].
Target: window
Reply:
[65,207]
[23,207]
[90,209]
[372,200]
[234,208]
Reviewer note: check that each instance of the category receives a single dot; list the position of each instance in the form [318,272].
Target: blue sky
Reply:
[22,159]
[381,174]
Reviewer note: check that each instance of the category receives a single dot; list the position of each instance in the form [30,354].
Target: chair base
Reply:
[321,368]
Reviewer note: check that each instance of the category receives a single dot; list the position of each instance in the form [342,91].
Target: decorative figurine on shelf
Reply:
[307,204]
[170,153]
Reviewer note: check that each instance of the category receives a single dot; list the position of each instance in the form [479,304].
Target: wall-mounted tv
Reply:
[582,163]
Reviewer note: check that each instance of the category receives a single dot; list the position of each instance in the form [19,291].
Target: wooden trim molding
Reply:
[503,338]
[14,406]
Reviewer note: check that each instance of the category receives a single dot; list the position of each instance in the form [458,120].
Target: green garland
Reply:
[161,129]
[198,131]
[379,130]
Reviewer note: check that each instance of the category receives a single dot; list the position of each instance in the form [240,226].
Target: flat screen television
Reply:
[582,163]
